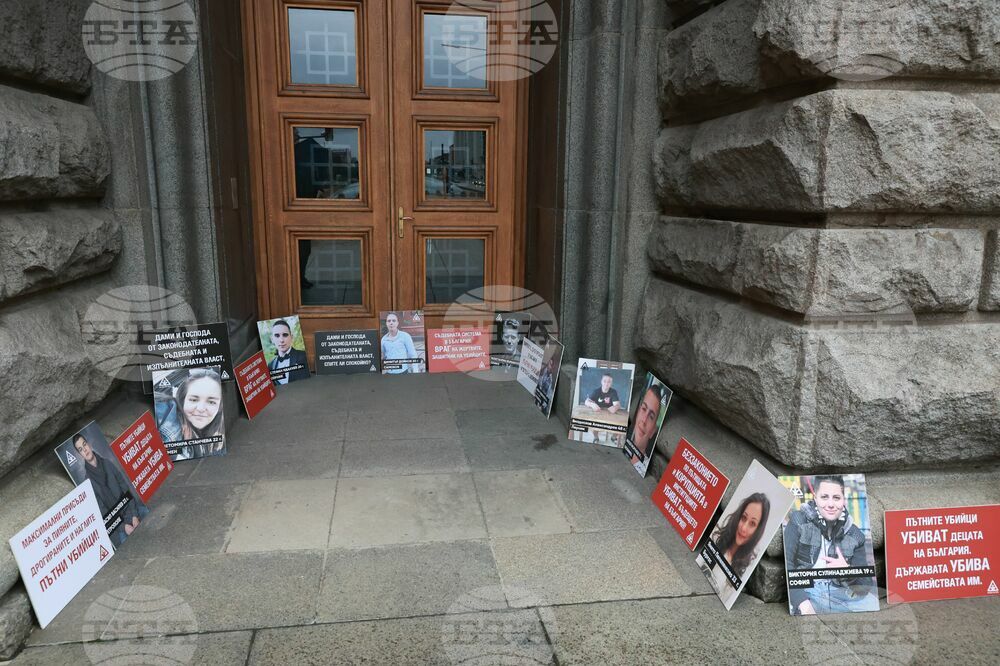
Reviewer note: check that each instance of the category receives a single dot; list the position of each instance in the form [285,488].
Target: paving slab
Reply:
[399,457]
[77,622]
[580,568]
[520,503]
[406,509]
[235,591]
[402,581]
[186,520]
[491,422]
[682,557]
[695,630]
[501,637]
[538,450]
[318,425]
[416,397]
[220,649]
[284,515]
[605,497]
[401,424]
[476,393]
[246,464]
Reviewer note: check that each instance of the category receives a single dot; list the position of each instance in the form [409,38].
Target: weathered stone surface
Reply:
[769,43]
[767,582]
[45,47]
[825,272]
[49,148]
[818,397]
[15,622]
[682,8]
[48,374]
[54,247]
[839,150]
[990,299]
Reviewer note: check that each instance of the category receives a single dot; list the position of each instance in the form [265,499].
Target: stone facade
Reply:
[825,277]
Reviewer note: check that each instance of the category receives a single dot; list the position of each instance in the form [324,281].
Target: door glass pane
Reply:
[326,163]
[454,51]
[330,272]
[454,266]
[455,164]
[323,46]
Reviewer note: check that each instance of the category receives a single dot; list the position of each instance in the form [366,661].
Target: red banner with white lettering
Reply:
[933,554]
[690,492]
[254,380]
[457,349]
[143,456]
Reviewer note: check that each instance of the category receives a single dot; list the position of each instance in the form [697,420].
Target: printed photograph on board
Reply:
[829,557]
[601,402]
[87,455]
[509,329]
[189,414]
[740,538]
[284,349]
[403,344]
[548,377]
[644,428]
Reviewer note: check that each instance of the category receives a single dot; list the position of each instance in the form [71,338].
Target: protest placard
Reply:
[254,382]
[689,492]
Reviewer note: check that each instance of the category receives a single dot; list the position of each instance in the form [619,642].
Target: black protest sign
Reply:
[187,347]
[346,352]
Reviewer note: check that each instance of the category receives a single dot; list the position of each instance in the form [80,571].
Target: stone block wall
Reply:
[826,275]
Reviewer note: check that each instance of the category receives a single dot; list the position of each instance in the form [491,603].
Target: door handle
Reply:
[401,219]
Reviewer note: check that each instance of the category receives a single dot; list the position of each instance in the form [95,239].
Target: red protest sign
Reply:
[933,554]
[254,380]
[141,452]
[457,349]
[690,492]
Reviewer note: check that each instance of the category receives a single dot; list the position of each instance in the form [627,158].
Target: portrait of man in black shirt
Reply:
[605,397]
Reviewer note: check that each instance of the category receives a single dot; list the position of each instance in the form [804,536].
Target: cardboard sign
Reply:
[254,381]
[346,352]
[403,345]
[187,347]
[649,417]
[61,550]
[458,349]
[548,378]
[740,538]
[829,558]
[530,366]
[88,456]
[284,349]
[142,455]
[188,407]
[689,493]
[601,402]
[935,554]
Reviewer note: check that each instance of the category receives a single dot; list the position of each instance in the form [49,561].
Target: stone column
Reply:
[825,277]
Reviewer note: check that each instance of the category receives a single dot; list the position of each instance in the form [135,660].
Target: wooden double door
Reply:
[388,161]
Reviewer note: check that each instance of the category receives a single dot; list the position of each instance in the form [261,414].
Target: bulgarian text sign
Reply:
[936,554]
[346,352]
[61,550]
[256,387]
[143,456]
[690,492]
[457,349]
[188,347]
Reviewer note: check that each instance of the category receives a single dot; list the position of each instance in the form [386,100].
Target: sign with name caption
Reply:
[933,554]
[61,550]
[143,456]
[346,352]
[256,387]
[187,347]
[458,350]
[689,492]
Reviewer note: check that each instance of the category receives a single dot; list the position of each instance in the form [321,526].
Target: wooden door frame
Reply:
[258,192]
